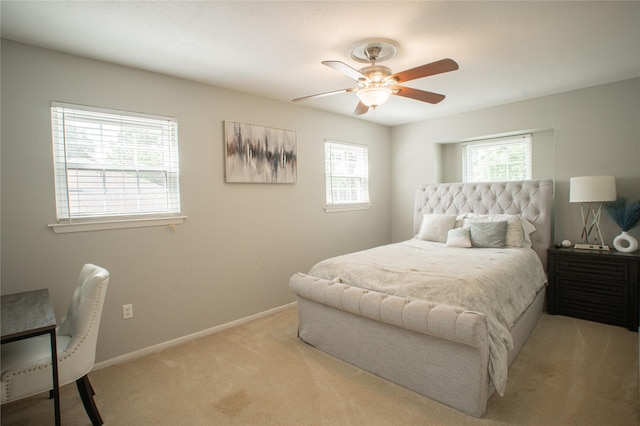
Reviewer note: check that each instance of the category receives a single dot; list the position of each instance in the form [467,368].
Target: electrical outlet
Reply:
[127,311]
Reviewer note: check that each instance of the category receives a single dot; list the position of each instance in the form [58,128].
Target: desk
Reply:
[30,314]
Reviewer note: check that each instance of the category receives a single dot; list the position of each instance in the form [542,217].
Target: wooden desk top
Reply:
[26,314]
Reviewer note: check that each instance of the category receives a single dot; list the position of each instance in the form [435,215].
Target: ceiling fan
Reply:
[375,83]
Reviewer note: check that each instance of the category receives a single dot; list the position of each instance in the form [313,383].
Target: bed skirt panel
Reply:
[523,327]
[438,351]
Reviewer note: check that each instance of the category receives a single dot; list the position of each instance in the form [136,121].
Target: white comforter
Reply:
[500,283]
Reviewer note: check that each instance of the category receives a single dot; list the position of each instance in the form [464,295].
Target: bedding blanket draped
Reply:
[500,283]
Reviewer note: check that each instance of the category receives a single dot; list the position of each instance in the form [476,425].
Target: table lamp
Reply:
[592,191]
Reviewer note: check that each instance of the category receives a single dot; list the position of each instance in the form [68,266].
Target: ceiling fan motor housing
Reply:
[376,73]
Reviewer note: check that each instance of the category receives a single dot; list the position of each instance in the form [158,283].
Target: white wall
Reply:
[595,131]
[233,256]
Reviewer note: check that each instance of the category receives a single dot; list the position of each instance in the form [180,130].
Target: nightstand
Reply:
[599,286]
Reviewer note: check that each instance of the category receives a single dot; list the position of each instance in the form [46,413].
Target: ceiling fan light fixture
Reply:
[374,96]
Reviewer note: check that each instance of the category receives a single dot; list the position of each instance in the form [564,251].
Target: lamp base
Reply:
[591,247]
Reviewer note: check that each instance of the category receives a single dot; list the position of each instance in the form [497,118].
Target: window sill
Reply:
[63,228]
[346,207]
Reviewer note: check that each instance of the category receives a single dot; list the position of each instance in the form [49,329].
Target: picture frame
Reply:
[258,154]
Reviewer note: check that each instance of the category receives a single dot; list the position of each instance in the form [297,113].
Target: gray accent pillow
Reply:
[488,234]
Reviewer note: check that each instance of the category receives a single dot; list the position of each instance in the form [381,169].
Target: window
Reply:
[347,176]
[114,165]
[497,159]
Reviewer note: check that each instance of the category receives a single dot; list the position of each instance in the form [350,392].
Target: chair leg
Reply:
[86,393]
[90,387]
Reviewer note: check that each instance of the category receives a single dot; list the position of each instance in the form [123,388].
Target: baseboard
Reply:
[180,340]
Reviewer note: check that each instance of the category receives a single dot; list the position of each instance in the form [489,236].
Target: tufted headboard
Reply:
[530,198]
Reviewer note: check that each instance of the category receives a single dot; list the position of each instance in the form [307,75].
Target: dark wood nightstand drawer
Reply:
[610,313]
[599,268]
[592,300]
[597,290]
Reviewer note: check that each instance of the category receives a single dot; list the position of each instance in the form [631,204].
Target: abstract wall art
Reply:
[256,154]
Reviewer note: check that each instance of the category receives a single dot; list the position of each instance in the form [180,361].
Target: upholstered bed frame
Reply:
[436,350]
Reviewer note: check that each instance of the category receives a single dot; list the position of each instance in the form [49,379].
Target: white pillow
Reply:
[515,236]
[528,228]
[458,237]
[460,220]
[434,227]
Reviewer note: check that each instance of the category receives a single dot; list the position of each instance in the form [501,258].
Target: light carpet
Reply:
[570,372]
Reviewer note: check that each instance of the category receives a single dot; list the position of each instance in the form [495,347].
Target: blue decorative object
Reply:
[626,216]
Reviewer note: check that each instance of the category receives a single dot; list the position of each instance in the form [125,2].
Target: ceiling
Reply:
[507,51]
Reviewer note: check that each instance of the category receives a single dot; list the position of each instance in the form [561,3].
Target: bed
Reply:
[373,309]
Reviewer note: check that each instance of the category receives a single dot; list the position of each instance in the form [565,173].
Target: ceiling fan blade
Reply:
[346,70]
[320,95]
[420,95]
[360,109]
[438,67]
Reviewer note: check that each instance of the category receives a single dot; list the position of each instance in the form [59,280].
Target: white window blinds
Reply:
[114,164]
[347,174]
[500,159]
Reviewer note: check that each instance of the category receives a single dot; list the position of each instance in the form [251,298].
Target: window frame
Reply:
[507,141]
[117,121]
[332,205]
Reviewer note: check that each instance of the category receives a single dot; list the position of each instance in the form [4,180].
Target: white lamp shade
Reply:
[592,189]
[374,96]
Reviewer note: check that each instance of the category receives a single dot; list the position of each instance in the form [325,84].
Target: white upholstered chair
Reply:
[26,364]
